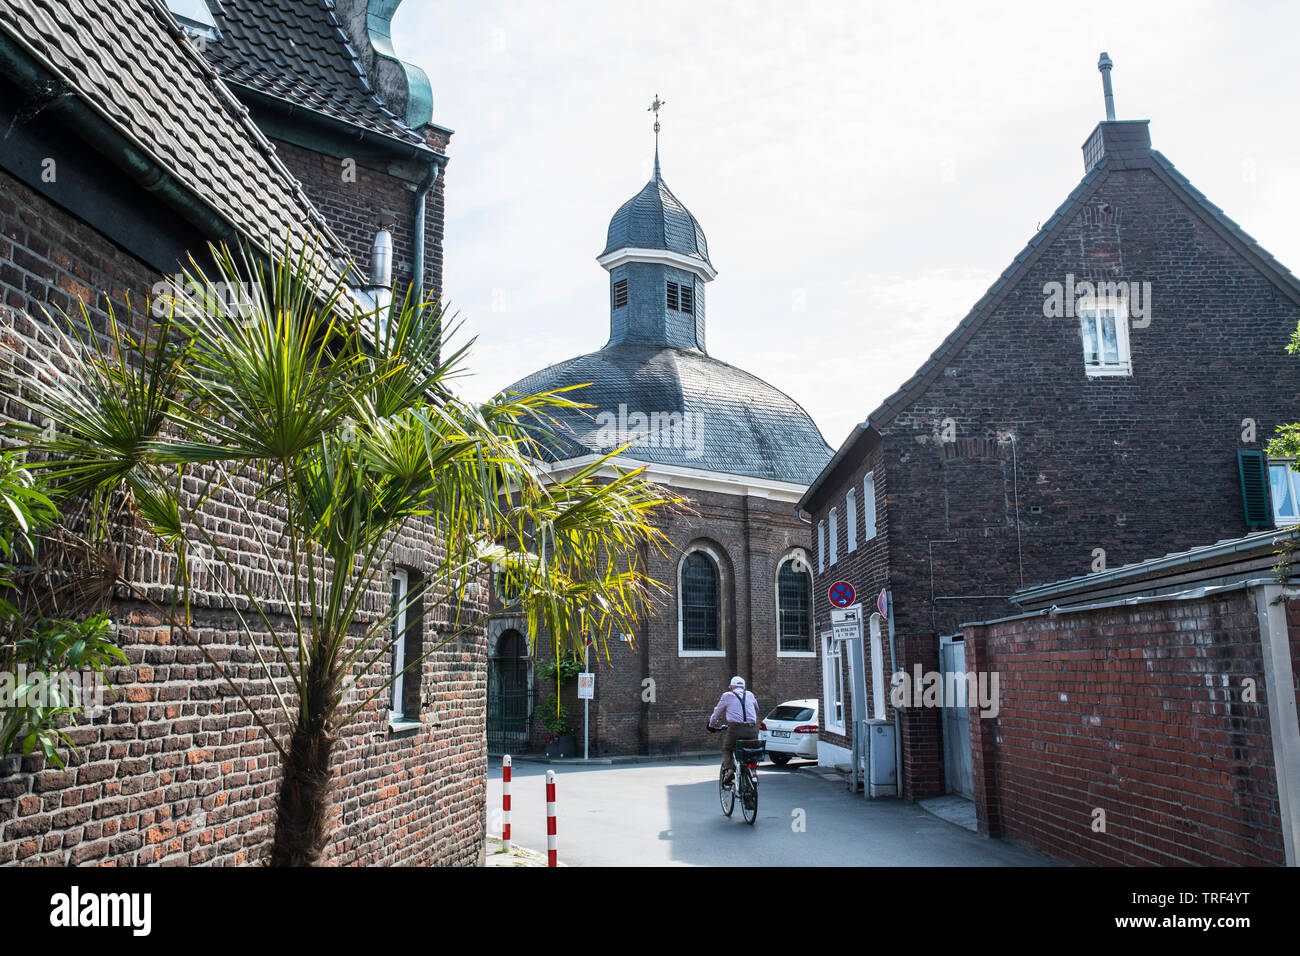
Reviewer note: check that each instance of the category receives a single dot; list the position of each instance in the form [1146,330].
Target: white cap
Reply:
[738,681]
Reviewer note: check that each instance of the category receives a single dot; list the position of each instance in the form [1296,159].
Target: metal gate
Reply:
[507,703]
[956,717]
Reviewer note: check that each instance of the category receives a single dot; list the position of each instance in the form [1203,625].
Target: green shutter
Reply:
[1252,468]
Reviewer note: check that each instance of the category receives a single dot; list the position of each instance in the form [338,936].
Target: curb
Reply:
[518,855]
[610,760]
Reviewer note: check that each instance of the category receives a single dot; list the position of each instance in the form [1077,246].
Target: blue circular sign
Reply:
[842,594]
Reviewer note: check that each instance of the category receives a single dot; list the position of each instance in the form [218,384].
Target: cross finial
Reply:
[1104,65]
[655,107]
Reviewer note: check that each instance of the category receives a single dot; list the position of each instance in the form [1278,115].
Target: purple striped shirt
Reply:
[730,705]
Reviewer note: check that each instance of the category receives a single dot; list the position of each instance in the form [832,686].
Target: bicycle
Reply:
[744,780]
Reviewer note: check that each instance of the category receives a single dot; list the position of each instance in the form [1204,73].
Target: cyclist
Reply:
[740,708]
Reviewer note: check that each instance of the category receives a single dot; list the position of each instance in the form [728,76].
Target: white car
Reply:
[790,731]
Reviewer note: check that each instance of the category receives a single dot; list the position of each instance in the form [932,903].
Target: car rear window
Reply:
[791,713]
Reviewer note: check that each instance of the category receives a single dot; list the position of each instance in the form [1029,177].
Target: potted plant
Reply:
[554,717]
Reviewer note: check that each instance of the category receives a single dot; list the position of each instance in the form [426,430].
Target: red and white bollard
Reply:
[505,802]
[550,819]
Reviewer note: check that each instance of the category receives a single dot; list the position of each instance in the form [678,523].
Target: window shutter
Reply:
[1252,468]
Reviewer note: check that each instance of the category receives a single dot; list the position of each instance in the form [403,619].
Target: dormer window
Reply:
[195,17]
[620,294]
[1104,327]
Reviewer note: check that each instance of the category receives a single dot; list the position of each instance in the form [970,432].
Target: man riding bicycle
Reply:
[740,708]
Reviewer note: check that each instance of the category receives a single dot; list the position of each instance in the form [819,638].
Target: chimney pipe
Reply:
[1104,65]
[381,259]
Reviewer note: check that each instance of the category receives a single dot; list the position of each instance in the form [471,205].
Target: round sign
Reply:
[882,603]
[842,594]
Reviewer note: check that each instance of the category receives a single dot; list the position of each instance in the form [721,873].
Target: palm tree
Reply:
[287,403]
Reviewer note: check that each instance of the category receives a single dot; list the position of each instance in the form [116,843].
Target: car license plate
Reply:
[780,733]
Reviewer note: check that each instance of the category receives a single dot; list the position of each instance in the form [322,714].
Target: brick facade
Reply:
[1135,465]
[1136,712]
[176,772]
[352,204]
[751,536]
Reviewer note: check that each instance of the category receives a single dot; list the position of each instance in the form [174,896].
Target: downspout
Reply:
[421,192]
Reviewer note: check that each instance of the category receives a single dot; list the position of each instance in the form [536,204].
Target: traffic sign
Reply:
[841,594]
[882,603]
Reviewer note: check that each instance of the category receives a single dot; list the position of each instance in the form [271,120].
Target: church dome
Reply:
[680,407]
[656,219]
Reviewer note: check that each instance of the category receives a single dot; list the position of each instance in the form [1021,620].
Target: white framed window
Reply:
[877,670]
[1103,325]
[401,597]
[821,546]
[869,506]
[834,534]
[1284,486]
[851,512]
[832,685]
[700,606]
[794,606]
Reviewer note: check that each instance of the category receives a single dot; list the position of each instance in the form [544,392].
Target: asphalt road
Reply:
[667,814]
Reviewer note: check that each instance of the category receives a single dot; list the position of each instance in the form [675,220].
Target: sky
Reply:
[863,171]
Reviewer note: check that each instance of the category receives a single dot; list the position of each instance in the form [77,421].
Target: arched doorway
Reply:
[507,715]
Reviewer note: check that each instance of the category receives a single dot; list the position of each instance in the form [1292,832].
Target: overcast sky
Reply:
[863,172]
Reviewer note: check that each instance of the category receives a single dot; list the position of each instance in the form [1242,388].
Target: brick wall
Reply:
[352,208]
[751,535]
[1135,466]
[1138,712]
[176,771]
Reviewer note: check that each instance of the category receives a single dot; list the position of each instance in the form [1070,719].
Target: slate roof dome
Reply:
[654,387]
[656,219]
[694,412]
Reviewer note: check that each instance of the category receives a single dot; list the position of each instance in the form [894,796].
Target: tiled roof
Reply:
[732,422]
[131,63]
[297,50]
[656,219]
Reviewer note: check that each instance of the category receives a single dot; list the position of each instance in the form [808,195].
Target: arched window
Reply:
[794,606]
[700,603]
[821,546]
[851,511]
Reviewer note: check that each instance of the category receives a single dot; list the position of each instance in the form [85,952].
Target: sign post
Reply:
[846,626]
[586,689]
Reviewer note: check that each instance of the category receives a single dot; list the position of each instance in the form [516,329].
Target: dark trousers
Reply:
[735,732]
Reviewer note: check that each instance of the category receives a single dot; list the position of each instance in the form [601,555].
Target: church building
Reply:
[738,450]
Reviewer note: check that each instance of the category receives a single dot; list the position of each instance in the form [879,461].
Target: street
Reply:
[667,814]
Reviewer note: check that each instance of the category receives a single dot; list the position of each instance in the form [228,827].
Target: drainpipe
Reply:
[418,258]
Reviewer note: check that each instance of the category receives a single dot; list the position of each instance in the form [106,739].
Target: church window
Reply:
[672,296]
[700,604]
[688,300]
[620,294]
[794,603]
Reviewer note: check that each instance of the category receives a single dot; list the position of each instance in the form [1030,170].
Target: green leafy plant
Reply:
[329,433]
[42,686]
[566,669]
[554,716]
[39,695]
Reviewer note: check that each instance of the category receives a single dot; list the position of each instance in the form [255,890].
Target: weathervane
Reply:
[655,107]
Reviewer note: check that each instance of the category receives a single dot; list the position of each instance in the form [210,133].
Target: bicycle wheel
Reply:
[748,795]
[726,794]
